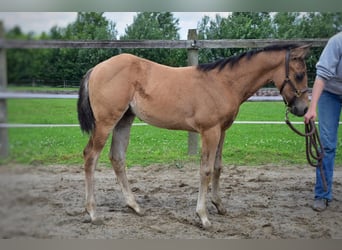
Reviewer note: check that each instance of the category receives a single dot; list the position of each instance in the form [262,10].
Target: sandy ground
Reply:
[268,202]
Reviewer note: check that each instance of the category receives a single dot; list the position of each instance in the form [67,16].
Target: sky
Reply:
[38,22]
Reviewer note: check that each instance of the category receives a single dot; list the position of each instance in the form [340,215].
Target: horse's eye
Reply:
[299,76]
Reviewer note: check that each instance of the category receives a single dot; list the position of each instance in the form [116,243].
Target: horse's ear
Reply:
[301,51]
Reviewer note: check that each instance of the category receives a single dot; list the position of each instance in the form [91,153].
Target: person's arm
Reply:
[317,90]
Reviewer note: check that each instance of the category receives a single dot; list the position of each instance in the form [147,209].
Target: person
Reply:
[327,96]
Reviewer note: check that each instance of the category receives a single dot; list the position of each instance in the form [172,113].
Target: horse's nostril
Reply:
[306,110]
[295,110]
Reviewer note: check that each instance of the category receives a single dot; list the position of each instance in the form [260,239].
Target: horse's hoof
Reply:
[204,219]
[206,225]
[97,221]
[221,210]
[137,210]
[141,212]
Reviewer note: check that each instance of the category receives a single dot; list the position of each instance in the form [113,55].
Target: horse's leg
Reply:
[215,199]
[91,154]
[210,141]
[117,156]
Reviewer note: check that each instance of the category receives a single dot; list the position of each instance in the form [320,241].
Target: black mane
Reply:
[221,63]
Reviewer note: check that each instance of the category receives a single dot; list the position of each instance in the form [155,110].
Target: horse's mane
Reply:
[221,63]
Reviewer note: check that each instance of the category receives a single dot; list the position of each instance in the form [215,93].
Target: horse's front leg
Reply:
[210,141]
[215,199]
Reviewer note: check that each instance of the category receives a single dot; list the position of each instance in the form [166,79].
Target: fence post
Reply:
[192,61]
[4,147]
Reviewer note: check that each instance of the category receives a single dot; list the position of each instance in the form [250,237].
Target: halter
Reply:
[287,80]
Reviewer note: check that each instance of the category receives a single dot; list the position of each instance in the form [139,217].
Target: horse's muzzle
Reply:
[299,107]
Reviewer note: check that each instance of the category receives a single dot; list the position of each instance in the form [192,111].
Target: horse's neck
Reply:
[252,74]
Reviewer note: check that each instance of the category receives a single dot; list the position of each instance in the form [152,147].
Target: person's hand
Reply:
[310,115]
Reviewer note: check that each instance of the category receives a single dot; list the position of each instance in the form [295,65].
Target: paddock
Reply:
[263,202]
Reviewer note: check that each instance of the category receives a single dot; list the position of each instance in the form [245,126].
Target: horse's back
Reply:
[115,64]
[125,66]
[127,60]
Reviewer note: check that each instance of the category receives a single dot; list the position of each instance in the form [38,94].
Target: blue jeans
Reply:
[329,109]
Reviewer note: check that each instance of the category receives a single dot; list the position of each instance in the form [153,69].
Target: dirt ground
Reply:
[268,202]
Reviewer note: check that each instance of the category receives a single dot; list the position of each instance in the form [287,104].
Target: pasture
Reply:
[246,144]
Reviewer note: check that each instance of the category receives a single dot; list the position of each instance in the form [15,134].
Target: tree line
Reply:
[66,66]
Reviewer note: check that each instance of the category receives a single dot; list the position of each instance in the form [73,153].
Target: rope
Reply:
[314,148]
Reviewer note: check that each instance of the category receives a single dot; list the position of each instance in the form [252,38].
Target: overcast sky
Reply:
[43,21]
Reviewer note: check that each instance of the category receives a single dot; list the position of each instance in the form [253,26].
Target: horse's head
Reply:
[294,87]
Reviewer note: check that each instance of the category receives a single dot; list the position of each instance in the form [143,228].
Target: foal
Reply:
[203,99]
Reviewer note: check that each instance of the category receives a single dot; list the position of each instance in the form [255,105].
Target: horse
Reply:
[203,99]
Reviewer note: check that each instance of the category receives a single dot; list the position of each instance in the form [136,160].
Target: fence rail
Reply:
[24,95]
[23,125]
[192,45]
[154,44]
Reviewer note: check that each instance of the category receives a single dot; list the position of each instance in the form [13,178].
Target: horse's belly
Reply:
[158,117]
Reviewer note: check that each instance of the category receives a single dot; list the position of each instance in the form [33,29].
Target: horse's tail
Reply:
[85,113]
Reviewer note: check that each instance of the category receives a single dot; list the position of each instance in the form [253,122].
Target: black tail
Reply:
[85,112]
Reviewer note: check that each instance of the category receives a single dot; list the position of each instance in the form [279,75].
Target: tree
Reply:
[156,25]
[19,61]
[316,24]
[90,26]
[55,66]
[286,25]
[307,25]
[73,63]
[238,25]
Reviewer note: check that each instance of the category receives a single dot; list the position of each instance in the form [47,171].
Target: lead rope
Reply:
[314,148]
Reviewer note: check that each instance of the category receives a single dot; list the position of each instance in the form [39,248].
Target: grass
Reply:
[245,144]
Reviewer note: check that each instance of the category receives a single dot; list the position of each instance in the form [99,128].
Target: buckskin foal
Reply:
[204,99]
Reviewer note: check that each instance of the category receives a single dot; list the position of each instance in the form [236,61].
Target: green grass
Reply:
[245,144]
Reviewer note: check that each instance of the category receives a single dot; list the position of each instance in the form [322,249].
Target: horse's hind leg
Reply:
[215,199]
[117,156]
[91,155]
